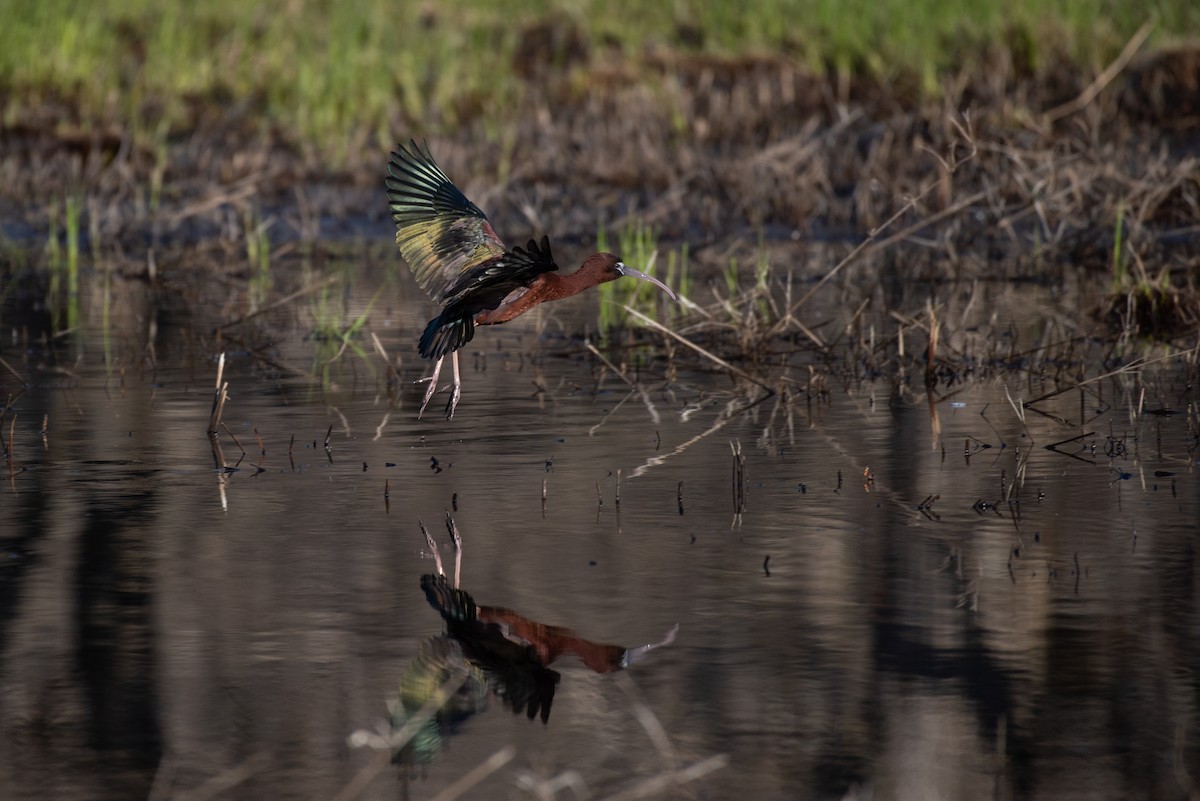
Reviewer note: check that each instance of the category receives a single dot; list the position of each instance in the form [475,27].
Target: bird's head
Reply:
[605,267]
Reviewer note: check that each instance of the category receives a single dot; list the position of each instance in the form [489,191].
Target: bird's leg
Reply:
[433,379]
[433,549]
[455,388]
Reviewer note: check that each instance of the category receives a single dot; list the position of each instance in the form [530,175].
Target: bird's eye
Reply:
[620,265]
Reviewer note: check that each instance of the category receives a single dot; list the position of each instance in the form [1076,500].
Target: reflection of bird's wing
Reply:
[510,664]
[441,234]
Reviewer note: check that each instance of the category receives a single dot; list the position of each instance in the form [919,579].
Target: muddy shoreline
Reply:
[712,147]
[1006,175]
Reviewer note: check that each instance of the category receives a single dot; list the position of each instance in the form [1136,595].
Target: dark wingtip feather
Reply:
[534,256]
[452,604]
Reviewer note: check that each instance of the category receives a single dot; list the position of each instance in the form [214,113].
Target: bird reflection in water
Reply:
[488,651]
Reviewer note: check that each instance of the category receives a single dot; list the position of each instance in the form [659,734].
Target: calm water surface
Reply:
[906,601]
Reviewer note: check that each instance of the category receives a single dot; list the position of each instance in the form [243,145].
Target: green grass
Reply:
[338,75]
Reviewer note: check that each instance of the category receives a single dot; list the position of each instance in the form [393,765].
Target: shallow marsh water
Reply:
[908,601]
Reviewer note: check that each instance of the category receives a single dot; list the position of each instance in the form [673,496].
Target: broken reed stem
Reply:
[233,437]
[220,395]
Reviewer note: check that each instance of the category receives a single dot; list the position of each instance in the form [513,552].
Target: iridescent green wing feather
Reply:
[441,234]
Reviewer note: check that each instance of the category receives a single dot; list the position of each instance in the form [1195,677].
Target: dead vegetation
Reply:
[730,155]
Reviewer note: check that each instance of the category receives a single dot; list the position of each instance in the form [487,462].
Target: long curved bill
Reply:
[625,269]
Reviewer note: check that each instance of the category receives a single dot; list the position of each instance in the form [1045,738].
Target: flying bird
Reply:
[458,259]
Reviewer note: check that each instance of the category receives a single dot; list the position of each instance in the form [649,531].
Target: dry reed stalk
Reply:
[236,441]
[1136,364]
[220,395]
[299,293]
[477,774]
[657,326]
[949,167]
[1105,77]
[225,780]
[20,378]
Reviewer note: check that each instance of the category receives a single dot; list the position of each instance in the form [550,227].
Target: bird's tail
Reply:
[446,333]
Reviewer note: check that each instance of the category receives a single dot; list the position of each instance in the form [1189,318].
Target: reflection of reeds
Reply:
[258,255]
[739,479]
[64,269]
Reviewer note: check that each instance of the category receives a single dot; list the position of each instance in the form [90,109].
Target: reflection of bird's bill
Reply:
[625,269]
[635,655]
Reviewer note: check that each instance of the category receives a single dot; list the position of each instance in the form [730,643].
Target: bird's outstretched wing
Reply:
[482,288]
[442,235]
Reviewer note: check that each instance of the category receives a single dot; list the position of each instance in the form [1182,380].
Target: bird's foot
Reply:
[425,401]
[432,388]
[455,387]
[452,401]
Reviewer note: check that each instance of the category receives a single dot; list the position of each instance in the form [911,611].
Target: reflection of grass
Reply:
[258,254]
[333,334]
[340,74]
[64,268]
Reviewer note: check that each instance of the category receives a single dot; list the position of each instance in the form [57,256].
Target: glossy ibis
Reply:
[458,259]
